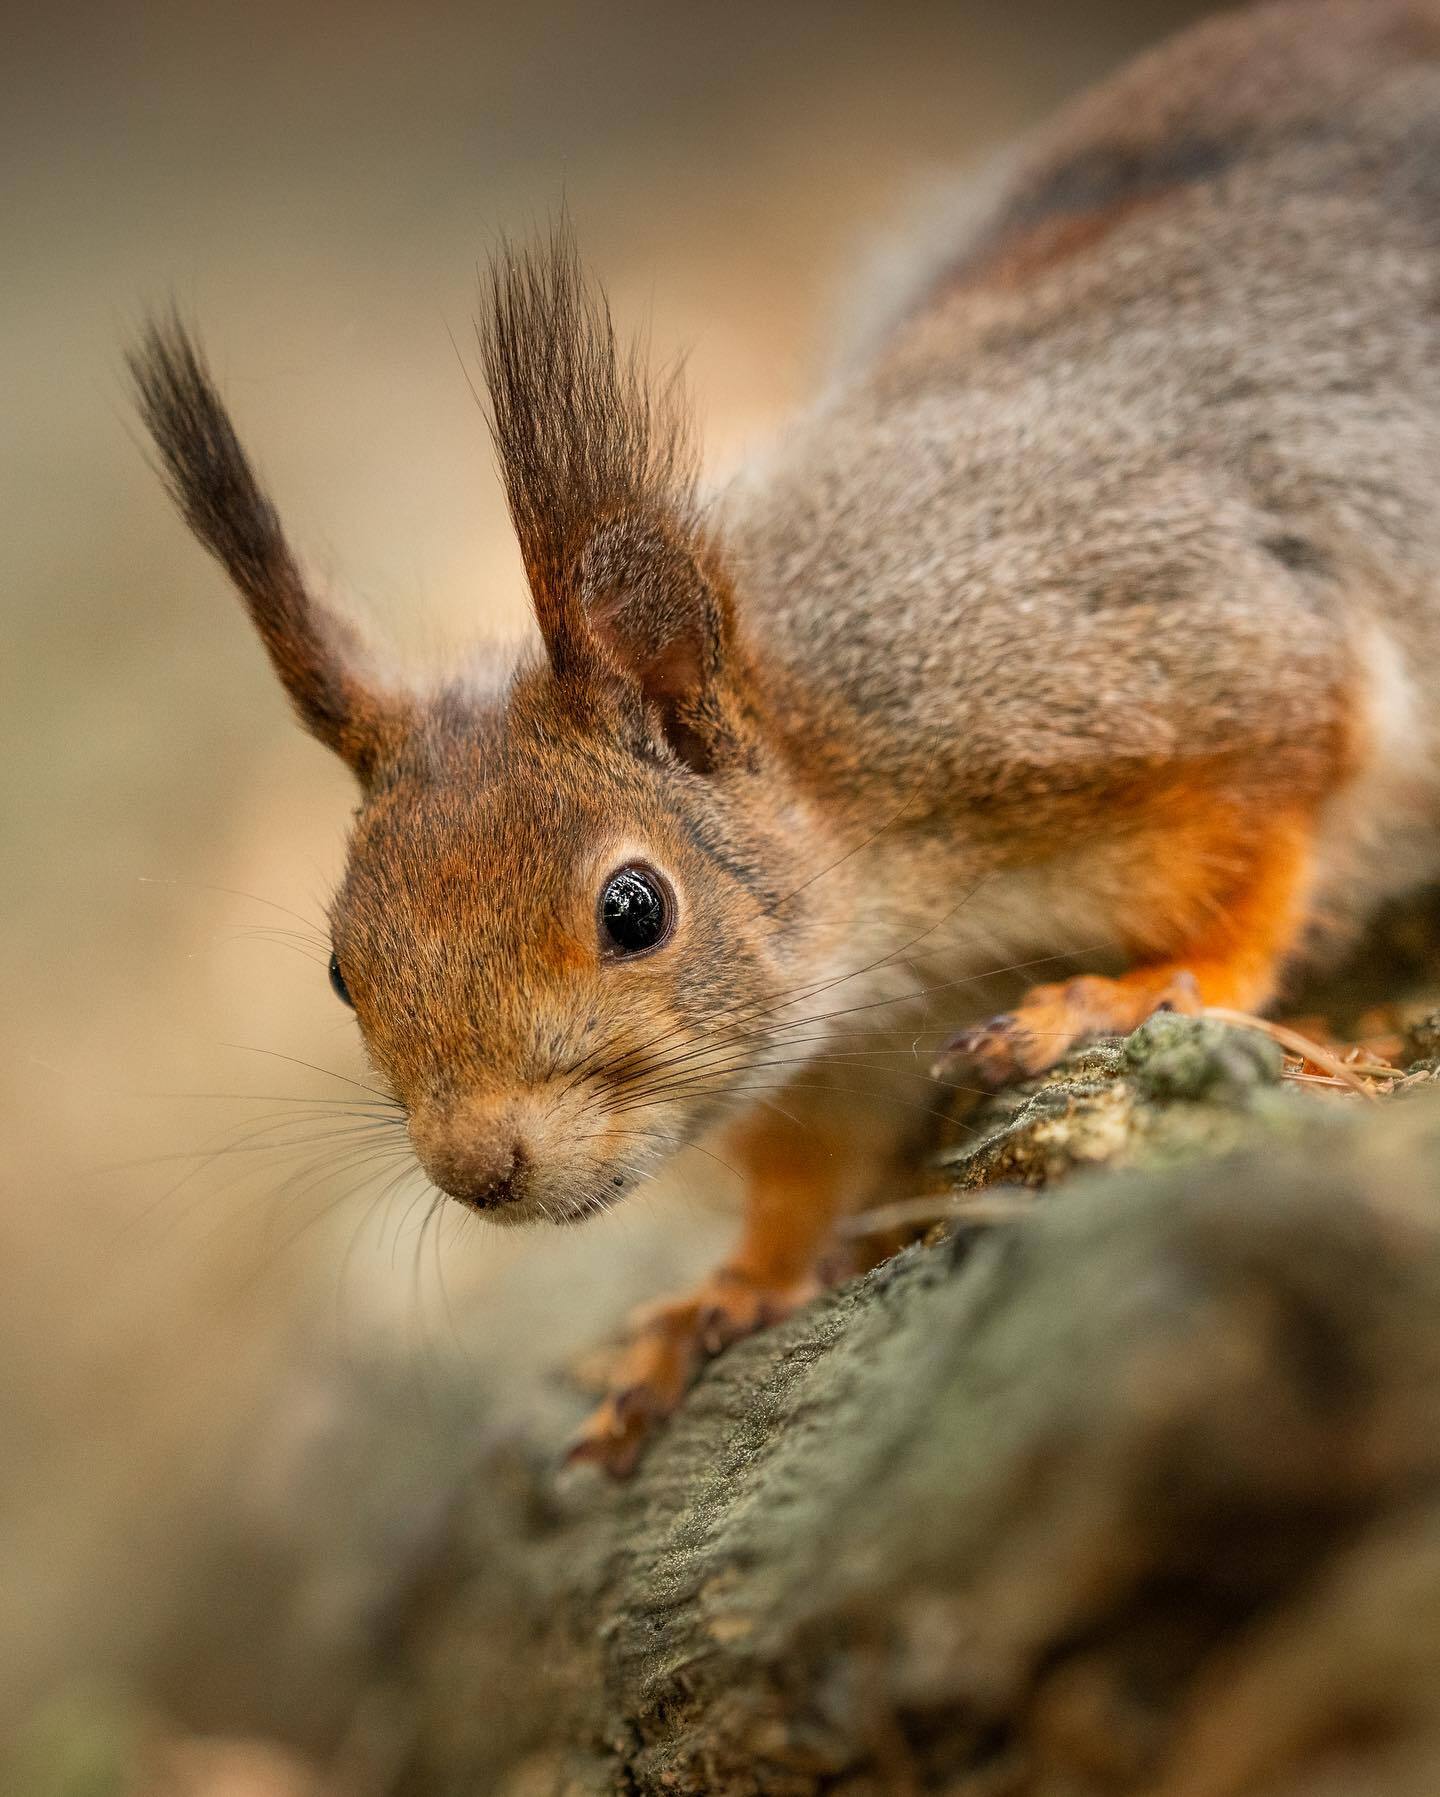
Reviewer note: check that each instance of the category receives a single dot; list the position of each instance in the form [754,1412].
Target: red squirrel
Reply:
[1096,602]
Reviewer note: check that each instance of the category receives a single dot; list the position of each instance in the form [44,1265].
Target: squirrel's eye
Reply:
[337,983]
[637,911]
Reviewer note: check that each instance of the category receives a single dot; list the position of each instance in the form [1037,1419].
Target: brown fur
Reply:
[1098,605]
[793,1198]
[599,469]
[317,654]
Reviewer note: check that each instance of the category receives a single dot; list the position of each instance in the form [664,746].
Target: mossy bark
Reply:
[1139,1492]
[1124,1479]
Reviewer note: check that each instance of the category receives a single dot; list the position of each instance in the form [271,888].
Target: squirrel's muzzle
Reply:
[474,1150]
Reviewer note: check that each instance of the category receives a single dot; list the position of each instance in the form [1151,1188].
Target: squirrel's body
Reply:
[1143,478]
[1095,607]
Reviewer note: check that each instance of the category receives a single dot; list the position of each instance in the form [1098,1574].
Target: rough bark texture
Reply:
[1139,1491]
[1126,1479]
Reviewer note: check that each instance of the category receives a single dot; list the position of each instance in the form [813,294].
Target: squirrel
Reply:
[1095,603]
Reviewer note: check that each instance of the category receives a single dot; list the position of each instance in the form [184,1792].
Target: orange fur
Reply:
[1234,958]
[792,1197]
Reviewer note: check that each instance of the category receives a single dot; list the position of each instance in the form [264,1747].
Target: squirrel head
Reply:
[566,914]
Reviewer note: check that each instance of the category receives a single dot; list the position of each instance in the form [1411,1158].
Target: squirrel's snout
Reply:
[473,1151]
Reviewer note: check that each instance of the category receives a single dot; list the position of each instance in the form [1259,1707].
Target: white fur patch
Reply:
[1379,835]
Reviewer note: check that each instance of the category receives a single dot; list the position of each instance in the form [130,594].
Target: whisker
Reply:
[238,1150]
[232,892]
[295,1061]
[795,994]
[865,843]
[330,1169]
[281,933]
[314,1167]
[775,1033]
[653,1135]
[248,1144]
[889,957]
[439,1260]
[417,1261]
[410,1169]
[356,1104]
[797,1086]
[307,951]
[683,1085]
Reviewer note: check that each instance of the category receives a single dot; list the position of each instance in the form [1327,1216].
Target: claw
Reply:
[606,1443]
[628,1403]
[990,1053]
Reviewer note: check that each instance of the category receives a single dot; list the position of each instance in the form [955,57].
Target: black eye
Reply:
[637,911]
[337,983]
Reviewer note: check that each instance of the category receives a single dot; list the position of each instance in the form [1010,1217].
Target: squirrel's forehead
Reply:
[446,844]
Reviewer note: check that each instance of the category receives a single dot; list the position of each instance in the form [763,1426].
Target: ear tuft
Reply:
[316,654]
[600,471]
[584,434]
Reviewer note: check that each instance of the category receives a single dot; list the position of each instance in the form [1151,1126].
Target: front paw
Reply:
[989,1056]
[670,1344]
[1024,1043]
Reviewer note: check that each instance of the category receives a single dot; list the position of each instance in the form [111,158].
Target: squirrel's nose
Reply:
[472,1150]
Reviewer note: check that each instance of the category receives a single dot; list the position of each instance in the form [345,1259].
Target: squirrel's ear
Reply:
[599,467]
[317,654]
[663,620]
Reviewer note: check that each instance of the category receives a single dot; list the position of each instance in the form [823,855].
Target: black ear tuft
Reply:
[599,466]
[584,434]
[316,654]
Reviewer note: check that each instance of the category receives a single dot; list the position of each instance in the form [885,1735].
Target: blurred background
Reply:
[185,1244]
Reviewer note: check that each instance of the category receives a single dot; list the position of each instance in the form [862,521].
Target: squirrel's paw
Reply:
[668,1346]
[1031,1039]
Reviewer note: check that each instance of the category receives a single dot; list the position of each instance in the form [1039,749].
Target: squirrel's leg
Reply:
[793,1196]
[1233,958]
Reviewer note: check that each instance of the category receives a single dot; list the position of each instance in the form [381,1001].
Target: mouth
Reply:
[562,1207]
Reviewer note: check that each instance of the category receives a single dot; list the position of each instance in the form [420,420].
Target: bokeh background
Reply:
[315,183]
